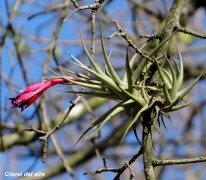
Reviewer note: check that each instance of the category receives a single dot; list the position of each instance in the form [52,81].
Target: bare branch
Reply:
[157,162]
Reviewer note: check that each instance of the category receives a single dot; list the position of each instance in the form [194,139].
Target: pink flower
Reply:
[30,94]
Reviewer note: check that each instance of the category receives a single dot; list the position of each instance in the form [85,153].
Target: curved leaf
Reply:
[107,116]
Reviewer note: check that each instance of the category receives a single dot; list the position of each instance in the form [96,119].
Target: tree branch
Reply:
[191,32]
[147,149]
[157,162]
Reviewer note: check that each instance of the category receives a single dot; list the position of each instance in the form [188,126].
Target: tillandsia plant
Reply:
[132,91]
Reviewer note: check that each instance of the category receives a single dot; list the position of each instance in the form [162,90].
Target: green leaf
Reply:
[139,100]
[118,110]
[174,103]
[91,86]
[131,63]
[169,77]
[94,65]
[97,94]
[129,73]
[146,98]
[155,126]
[174,79]
[166,94]
[136,118]
[181,71]
[175,64]
[109,65]
[162,76]
[107,116]
[138,71]
[162,119]
[182,93]
[175,108]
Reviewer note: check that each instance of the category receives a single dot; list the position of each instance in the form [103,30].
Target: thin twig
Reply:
[52,9]
[114,170]
[191,32]
[124,35]
[125,166]
[94,6]
[158,162]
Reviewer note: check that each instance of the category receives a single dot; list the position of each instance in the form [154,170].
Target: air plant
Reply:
[132,91]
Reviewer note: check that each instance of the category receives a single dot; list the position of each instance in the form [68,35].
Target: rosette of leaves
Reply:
[131,91]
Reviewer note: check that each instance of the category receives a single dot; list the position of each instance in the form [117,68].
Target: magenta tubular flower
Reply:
[30,94]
